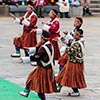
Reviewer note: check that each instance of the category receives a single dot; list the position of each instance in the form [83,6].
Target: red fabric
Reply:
[54,32]
[56,50]
[33,22]
[63,59]
[27,39]
[41,80]
[54,28]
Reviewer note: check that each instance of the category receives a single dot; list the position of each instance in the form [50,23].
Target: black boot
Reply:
[26,53]
[88,12]
[84,11]
[67,15]
[61,15]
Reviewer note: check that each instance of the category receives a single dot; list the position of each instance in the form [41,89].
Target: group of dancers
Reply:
[71,63]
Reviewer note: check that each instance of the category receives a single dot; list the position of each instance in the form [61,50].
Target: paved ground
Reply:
[11,70]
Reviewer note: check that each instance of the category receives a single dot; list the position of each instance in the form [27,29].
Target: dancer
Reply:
[53,27]
[28,38]
[64,57]
[41,79]
[72,75]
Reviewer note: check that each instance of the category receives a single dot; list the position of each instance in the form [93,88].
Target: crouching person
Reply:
[41,79]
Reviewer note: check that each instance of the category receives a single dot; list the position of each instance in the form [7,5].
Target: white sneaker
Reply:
[15,55]
[73,94]
[23,93]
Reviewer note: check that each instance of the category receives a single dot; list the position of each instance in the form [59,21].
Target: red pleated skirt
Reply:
[26,40]
[72,75]
[56,50]
[41,80]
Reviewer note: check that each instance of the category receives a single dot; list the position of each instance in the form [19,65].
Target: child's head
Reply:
[53,13]
[45,36]
[78,34]
[78,22]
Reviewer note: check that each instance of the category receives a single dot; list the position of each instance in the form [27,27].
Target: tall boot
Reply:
[61,15]
[26,53]
[88,11]
[42,96]
[84,11]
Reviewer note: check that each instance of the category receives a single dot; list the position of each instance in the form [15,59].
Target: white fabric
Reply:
[51,56]
[59,39]
[32,50]
[46,27]
[62,7]
[82,47]
[65,41]
[62,49]
[25,22]
[51,22]
[25,60]
[67,38]
[38,31]
[17,20]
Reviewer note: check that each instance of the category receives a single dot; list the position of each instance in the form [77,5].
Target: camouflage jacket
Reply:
[75,51]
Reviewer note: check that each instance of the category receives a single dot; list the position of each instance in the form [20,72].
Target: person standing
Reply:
[86,5]
[72,75]
[41,79]
[39,7]
[68,35]
[28,38]
[77,25]
[53,28]
[63,8]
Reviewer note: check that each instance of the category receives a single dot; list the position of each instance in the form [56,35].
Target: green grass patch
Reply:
[9,91]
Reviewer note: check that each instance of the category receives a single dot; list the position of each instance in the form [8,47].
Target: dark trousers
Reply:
[42,96]
[75,90]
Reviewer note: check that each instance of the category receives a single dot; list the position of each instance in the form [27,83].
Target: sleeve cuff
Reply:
[68,36]
[32,50]
[17,20]
[38,31]
[25,60]
[46,27]
[25,22]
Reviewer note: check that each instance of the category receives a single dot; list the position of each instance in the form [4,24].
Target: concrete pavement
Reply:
[11,70]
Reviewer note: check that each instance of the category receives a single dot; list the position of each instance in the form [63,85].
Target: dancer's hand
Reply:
[65,32]
[43,23]
[20,61]
[55,39]
[33,30]
[62,38]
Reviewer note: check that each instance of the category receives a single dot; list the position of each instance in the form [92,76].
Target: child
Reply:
[41,79]
[77,25]
[63,59]
[72,75]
